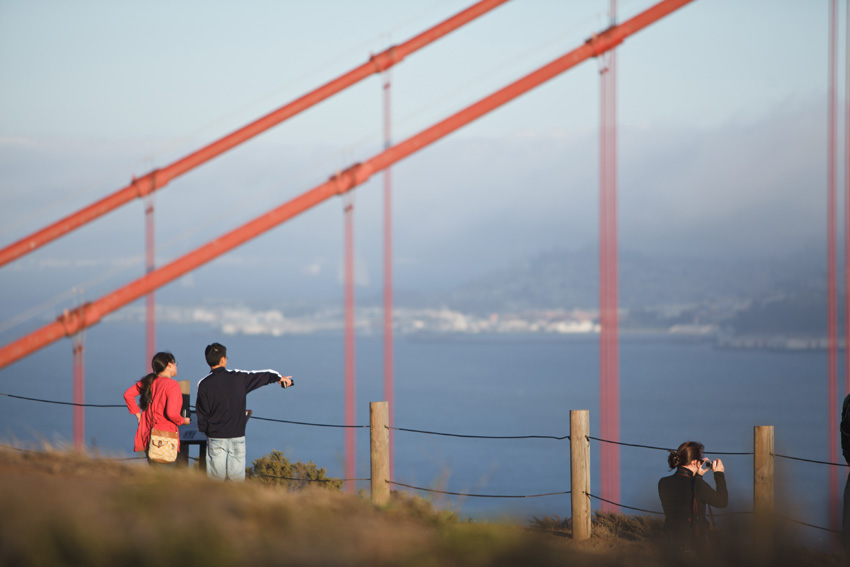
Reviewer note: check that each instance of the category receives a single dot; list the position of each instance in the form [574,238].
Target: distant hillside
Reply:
[569,279]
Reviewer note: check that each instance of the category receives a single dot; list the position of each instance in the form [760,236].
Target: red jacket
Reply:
[163,413]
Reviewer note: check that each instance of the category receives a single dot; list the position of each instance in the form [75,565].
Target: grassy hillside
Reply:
[61,508]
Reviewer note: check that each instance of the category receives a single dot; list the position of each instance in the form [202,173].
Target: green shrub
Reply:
[276,470]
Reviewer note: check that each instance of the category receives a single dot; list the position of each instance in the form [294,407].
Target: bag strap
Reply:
[694,522]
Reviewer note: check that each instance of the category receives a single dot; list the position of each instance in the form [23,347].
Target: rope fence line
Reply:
[623,505]
[716,515]
[811,461]
[425,432]
[63,403]
[311,424]
[663,448]
[480,436]
[806,524]
[315,479]
[476,495]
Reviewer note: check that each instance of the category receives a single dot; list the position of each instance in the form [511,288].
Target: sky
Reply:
[722,118]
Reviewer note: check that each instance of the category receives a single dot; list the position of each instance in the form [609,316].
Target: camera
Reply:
[283,384]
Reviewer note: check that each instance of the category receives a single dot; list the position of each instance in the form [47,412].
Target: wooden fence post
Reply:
[580,472]
[379,436]
[763,485]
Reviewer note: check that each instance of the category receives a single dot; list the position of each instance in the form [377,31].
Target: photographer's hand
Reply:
[285,381]
[717,466]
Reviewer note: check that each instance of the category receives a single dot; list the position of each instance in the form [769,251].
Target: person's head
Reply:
[687,453]
[215,354]
[160,362]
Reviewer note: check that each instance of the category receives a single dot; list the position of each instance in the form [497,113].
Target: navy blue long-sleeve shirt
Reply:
[222,400]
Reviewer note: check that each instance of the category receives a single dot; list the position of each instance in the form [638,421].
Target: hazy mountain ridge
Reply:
[568,279]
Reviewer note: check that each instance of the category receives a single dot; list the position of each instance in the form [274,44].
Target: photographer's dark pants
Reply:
[845,521]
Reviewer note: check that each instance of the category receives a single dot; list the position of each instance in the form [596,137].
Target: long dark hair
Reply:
[687,452]
[159,362]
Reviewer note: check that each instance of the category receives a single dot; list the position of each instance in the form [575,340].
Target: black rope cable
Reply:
[623,505]
[627,444]
[63,403]
[313,479]
[314,424]
[306,423]
[476,495]
[809,525]
[728,453]
[811,461]
[301,422]
[557,438]
[661,448]
[480,436]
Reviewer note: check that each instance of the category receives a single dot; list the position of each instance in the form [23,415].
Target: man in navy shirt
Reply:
[221,411]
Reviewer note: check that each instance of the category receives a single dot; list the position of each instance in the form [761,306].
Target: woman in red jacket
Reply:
[160,401]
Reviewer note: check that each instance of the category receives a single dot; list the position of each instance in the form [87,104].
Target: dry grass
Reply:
[60,508]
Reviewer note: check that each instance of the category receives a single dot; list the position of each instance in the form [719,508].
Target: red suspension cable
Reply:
[150,299]
[832,299]
[388,278]
[350,380]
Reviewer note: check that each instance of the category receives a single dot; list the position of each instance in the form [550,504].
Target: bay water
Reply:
[497,385]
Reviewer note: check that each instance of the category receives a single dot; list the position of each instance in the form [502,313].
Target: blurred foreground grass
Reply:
[62,508]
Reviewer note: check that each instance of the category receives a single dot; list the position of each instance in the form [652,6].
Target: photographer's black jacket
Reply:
[221,400]
[677,492]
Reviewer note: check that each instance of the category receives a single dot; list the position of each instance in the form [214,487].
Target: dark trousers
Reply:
[845,521]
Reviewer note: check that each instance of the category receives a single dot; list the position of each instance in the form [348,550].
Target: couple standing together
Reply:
[220,408]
